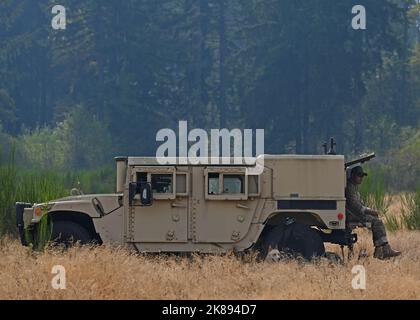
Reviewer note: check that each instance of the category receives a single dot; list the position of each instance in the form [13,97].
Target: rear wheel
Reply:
[293,240]
[68,233]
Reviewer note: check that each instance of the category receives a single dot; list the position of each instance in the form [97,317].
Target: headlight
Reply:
[39,210]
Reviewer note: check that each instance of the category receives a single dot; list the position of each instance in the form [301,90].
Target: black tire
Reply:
[294,240]
[68,233]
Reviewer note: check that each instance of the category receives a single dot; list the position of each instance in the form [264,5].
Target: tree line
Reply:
[122,70]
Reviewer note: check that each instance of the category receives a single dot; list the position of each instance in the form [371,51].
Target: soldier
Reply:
[357,212]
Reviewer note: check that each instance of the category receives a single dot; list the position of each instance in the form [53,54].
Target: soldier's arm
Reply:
[353,201]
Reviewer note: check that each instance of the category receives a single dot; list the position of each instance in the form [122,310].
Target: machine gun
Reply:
[363,158]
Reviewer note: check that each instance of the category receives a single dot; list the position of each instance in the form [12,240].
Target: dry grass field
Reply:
[115,273]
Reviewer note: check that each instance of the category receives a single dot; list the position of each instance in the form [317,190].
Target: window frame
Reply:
[225,171]
[157,170]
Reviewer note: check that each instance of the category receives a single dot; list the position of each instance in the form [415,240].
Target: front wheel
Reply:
[292,240]
[68,233]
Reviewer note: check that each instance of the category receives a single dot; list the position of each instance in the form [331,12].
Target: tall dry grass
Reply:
[115,273]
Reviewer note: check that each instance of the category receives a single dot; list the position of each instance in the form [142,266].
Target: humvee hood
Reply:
[95,205]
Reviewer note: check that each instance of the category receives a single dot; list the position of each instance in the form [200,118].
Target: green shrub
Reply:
[79,141]
[402,165]
[410,210]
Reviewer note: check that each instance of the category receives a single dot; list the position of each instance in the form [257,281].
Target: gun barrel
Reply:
[360,160]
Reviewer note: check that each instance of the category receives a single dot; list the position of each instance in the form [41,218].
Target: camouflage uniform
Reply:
[357,212]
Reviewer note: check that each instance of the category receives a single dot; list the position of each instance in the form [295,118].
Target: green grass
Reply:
[101,180]
[375,195]
[40,238]
[392,223]
[374,192]
[38,186]
[33,187]
[410,210]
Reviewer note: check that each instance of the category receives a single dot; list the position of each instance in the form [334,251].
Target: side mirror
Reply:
[145,191]
[146,194]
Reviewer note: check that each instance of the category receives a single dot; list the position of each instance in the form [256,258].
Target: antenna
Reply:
[332,147]
[324,146]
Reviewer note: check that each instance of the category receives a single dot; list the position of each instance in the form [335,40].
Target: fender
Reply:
[95,206]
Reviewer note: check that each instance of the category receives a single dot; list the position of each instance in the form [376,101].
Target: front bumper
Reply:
[20,207]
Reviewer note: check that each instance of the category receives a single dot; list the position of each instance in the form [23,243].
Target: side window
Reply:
[162,183]
[213,186]
[233,183]
[141,176]
[226,183]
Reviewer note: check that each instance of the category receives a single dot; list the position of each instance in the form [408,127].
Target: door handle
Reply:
[177,205]
[242,206]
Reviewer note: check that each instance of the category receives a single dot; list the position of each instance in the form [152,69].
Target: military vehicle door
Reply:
[166,219]
[224,200]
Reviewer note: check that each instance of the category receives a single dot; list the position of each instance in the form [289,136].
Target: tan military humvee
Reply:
[296,204]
